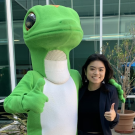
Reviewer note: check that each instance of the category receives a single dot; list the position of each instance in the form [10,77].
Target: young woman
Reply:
[98,100]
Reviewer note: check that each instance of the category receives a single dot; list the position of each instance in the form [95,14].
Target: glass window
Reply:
[127,7]
[81,53]
[110,20]
[66,3]
[39,2]
[27,4]
[5,86]
[22,55]
[89,13]
[87,8]
[22,3]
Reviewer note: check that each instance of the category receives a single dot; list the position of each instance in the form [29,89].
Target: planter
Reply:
[125,122]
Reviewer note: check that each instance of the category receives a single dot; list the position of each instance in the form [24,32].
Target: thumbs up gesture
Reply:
[110,116]
[35,99]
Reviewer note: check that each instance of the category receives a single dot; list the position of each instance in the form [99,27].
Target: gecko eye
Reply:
[30,21]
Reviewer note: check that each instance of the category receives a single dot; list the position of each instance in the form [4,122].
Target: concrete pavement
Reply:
[115,133]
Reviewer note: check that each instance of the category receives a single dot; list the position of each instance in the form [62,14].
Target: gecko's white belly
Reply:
[60,112]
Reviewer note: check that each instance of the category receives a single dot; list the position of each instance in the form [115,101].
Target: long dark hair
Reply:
[108,74]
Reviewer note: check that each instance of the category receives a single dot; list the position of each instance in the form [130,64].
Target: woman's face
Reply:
[95,72]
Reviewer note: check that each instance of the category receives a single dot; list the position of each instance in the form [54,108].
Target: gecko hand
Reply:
[35,99]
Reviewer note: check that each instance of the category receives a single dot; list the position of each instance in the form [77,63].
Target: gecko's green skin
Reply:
[56,28]
[119,90]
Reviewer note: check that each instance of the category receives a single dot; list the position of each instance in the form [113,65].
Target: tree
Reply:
[121,57]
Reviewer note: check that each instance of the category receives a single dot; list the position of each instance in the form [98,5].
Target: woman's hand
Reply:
[110,116]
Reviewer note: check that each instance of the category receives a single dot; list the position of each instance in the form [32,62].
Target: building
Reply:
[100,25]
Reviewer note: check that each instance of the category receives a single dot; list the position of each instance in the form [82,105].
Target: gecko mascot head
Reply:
[50,32]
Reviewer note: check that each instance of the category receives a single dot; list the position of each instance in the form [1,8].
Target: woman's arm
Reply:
[114,99]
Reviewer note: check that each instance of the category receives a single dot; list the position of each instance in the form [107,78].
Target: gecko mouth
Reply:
[50,33]
[56,55]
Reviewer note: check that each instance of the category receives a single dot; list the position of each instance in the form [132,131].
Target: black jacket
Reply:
[106,100]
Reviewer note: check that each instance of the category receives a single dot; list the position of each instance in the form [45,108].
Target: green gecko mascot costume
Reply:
[49,93]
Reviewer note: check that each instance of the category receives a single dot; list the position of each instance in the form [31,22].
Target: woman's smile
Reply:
[95,72]
[96,78]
